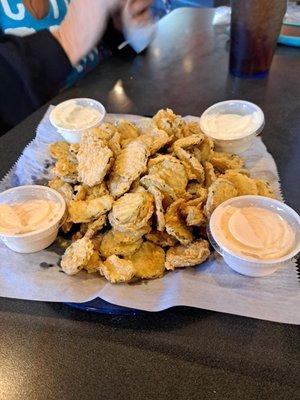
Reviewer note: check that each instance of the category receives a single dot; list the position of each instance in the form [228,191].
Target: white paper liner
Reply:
[212,285]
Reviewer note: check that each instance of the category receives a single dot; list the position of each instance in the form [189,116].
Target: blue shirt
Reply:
[15,19]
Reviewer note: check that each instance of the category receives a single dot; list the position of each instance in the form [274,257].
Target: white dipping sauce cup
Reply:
[243,140]
[37,240]
[74,135]
[246,265]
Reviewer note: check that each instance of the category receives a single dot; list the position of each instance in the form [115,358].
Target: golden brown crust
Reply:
[264,188]
[220,191]
[187,256]
[148,261]
[175,225]
[127,202]
[125,170]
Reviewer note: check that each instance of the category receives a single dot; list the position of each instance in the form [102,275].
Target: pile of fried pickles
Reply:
[139,196]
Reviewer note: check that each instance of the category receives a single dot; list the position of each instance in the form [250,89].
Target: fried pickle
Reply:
[117,270]
[175,225]
[129,165]
[77,256]
[89,210]
[148,261]
[132,211]
[191,255]
[110,245]
[220,191]
[94,160]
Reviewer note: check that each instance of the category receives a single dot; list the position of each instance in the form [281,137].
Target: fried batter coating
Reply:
[171,171]
[207,149]
[162,239]
[192,128]
[66,226]
[153,181]
[152,136]
[194,168]
[117,270]
[59,150]
[148,261]
[220,191]
[193,254]
[195,216]
[80,192]
[175,225]
[94,160]
[97,191]
[95,226]
[264,188]
[131,236]
[93,263]
[89,210]
[129,165]
[65,169]
[171,123]
[64,188]
[224,161]
[243,184]
[132,211]
[196,191]
[90,193]
[193,212]
[127,131]
[156,140]
[74,148]
[115,144]
[195,151]
[210,175]
[193,165]
[159,209]
[105,131]
[149,201]
[111,245]
[97,239]
[77,256]
[243,171]
[189,142]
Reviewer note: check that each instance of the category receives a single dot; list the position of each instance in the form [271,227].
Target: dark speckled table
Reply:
[51,351]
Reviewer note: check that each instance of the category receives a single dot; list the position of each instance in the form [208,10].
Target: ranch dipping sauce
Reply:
[230,126]
[27,216]
[71,115]
[254,232]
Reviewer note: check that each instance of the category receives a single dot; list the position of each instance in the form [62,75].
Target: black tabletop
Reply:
[51,351]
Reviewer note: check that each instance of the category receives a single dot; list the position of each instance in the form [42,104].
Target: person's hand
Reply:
[137,12]
[83,26]
[138,23]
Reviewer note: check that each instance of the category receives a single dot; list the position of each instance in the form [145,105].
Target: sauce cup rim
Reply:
[51,224]
[256,263]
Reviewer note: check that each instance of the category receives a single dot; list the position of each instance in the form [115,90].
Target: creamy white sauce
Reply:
[71,115]
[27,216]
[255,232]
[230,126]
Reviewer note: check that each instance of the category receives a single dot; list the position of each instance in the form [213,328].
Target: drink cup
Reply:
[255,26]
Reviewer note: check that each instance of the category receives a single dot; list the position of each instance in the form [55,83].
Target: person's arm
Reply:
[32,70]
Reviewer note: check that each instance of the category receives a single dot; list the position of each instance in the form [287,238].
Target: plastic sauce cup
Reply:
[73,135]
[241,141]
[39,239]
[246,265]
